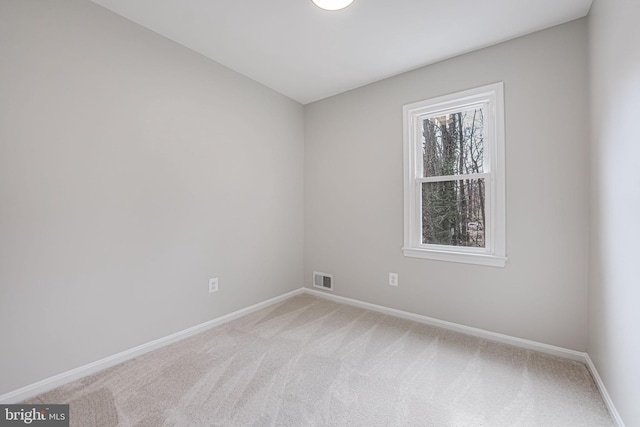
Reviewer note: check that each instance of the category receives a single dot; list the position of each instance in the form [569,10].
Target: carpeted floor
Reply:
[312,362]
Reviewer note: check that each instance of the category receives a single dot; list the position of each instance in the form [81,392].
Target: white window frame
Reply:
[491,97]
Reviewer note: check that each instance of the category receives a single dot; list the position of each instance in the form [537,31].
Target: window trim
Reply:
[494,253]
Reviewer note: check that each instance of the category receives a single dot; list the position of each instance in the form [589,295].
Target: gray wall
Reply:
[131,171]
[354,207]
[614,293]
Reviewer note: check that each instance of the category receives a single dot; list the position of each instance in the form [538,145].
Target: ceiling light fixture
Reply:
[332,4]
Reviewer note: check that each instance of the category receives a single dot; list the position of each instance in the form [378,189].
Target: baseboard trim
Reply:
[467,330]
[488,335]
[107,362]
[603,391]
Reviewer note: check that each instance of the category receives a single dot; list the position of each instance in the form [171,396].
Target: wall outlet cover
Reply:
[393,279]
[213,285]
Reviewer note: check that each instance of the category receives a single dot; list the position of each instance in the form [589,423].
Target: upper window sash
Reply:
[437,113]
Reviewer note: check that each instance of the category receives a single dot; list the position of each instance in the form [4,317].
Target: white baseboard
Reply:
[605,394]
[91,368]
[467,330]
[491,336]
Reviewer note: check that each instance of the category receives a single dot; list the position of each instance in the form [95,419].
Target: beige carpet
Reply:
[311,362]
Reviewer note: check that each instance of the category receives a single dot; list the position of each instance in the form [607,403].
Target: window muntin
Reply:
[454,177]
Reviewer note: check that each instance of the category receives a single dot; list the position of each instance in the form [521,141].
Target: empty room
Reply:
[319,213]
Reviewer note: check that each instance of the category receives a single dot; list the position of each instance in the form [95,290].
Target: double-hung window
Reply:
[454,186]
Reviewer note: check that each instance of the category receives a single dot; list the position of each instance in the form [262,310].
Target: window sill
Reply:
[465,258]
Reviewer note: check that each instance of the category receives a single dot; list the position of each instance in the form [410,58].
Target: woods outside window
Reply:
[454,177]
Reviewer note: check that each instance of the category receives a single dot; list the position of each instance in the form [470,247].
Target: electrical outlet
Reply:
[213,285]
[393,279]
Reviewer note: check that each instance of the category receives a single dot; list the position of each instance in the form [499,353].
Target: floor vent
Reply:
[322,281]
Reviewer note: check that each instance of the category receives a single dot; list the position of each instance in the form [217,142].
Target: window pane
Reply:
[453,213]
[453,144]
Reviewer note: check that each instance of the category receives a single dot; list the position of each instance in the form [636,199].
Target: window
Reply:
[454,169]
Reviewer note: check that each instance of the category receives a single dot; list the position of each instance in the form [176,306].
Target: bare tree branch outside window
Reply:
[453,208]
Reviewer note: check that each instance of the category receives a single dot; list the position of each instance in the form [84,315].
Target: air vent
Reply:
[322,281]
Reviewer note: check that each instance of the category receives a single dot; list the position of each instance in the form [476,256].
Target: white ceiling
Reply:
[308,54]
